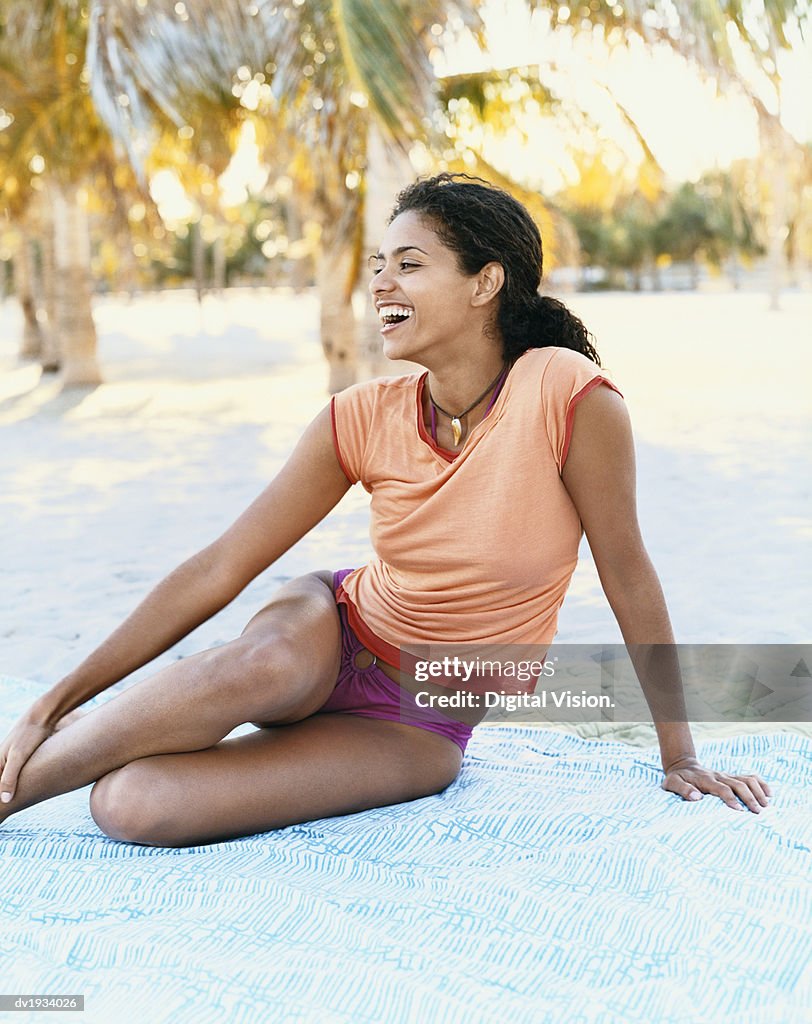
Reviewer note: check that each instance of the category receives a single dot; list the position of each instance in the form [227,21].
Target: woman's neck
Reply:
[450,424]
[454,385]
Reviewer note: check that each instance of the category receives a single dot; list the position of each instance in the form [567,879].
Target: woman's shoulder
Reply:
[392,385]
[557,358]
[551,378]
[378,394]
[552,367]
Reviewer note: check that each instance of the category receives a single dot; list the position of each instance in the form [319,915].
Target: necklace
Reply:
[456,426]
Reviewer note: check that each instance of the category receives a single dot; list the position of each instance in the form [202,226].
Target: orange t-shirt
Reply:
[477,547]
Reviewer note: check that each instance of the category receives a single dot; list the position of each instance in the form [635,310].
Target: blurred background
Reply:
[189,194]
[150,145]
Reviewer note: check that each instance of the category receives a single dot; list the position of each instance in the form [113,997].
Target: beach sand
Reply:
[103,492]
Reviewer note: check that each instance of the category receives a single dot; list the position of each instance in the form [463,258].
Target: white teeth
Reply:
[386,313]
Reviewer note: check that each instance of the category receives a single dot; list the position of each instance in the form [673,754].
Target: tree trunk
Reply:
[271,272]
[300,268]
[218,270]
[733,269]
[568,254]
[387,172]
[776,154]
[337,318]
[776,233]
[73,325]
[339,211]
[50,356]
[127,276]
[198,259]
[22,266]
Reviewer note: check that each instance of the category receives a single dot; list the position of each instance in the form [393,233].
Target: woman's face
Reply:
[423,301]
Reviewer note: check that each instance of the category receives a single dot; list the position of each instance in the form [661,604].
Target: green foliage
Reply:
[618,239]
[177,80]
[684,229]
[705,221]
[50,125]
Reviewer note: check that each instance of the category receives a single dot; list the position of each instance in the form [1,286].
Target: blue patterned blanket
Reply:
[553,881]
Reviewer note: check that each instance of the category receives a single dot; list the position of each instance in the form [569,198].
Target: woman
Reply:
[483,472]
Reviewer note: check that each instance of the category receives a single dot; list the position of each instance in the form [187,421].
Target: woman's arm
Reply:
[307,487]
[599,475]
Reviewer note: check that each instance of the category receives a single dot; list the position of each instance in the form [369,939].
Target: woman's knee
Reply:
[297,636]
[284,676]
[125,805]
[297,602]
[261,658]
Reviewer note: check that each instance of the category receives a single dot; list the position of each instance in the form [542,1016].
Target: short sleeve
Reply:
[568,377]
[351,413]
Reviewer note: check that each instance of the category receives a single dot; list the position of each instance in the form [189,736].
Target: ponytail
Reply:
[545,322]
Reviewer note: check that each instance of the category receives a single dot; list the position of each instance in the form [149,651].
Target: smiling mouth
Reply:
[393,316]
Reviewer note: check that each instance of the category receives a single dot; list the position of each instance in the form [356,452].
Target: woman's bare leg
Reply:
[322,767]
[282,669]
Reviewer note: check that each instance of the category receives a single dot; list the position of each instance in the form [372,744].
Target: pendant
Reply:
[456,429]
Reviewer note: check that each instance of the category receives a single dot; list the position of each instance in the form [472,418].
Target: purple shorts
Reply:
[369,693]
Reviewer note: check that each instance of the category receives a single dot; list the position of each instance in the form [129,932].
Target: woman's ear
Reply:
[489,283]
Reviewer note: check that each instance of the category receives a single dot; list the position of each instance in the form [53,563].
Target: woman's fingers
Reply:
[748,789]
[759,787]
[733,790]
[674,783]
[21,743]
[8,778]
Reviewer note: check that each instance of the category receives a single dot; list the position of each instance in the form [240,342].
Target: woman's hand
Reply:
[29,732]
[15,750]
[688,779]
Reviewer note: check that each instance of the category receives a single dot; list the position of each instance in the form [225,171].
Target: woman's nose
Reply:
[379,284]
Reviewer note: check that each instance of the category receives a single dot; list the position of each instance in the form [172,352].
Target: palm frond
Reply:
[150,64]
[697,29]
[148,60]
[384,51]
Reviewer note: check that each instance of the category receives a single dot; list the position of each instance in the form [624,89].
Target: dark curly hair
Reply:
[481,223]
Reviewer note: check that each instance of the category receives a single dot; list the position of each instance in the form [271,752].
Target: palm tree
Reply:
[46,150]
[57,159]
[332,71]
[56,154]
[24,289]
[198,154]
[715,34]
[324,72]
[347,88]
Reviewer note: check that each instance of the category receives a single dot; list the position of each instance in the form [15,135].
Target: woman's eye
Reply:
[376,268]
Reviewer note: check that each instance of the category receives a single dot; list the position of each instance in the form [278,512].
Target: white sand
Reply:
[104,492]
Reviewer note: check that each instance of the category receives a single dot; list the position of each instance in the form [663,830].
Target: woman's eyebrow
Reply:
[399,250]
